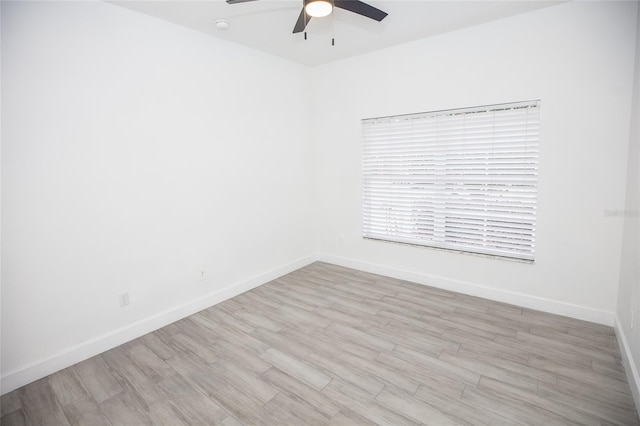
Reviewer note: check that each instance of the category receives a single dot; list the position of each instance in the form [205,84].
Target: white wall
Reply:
[122,137]
[578,59]
[629,293]
[0,205]
[136,153]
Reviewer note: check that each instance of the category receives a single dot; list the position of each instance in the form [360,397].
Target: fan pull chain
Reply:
[333,40]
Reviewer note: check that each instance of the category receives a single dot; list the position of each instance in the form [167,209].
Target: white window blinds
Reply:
[462,179]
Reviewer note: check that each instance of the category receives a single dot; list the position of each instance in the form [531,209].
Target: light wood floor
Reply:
[330,345]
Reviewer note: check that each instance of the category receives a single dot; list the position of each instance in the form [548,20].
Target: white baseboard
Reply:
[472,289]
[629,362]
[26,374]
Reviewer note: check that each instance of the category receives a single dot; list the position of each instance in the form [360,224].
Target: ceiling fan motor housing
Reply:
[355,6]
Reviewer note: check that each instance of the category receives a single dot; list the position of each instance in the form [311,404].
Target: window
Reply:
[463,179]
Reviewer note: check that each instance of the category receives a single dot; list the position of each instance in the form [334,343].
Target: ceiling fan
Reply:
[320,8]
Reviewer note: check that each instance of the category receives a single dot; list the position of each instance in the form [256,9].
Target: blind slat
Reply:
[461,179]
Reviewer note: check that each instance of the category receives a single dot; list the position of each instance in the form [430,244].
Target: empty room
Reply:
[327,212]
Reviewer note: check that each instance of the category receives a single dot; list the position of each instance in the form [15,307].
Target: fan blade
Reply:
[238,1]
[302,22]
[361,8]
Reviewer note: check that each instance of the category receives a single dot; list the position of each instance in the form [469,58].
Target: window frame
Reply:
[505,203]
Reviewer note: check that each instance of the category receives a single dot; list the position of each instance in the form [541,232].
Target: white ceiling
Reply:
[267,25]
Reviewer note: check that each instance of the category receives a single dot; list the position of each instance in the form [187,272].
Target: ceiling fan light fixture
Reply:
[222,24]
[318,8]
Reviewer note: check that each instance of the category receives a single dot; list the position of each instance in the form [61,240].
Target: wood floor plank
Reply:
[14,418]
[316,341]
[281,343]
[11,401]
[489,370]
[364,283]
[189,327]
[290,411]
[225,318]
[360,337]
[40,405]
[123,409]
[367,383]
[517,411]
[353,306]
[338,313]
[604,338]
[462,324]
[97,379]
[421,299]
[571,414]
[299,318]
[512,323]
[385,374]
[415,409]
[521,368]
[559,320]
[386,305]
[156,344]
[327,345]
[420,325]
[195,348]
[163,414]
[409,288]
[200,376]
[242,379]
[238,404]
[244,341]
[230,421]
[241,356]
[619,398]
[296,368]
[366,406]
[407,306]
[437,365]
[613,370]
[562,345]
[491,349]
[279,297]
[357,290]
[85,412]
[230,305]
[67,386]
[129,375]
[347,417]
[457,408]
[298,390]
[540,350]
[427,378]
[582,374]
[601,411]
[258,320]
[301,298]
[576,341]
[191,405]
[421,342]
[524,320]
[153,366]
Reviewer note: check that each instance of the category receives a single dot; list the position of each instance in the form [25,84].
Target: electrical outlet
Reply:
[203,274]
[632,316]
[123,299]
